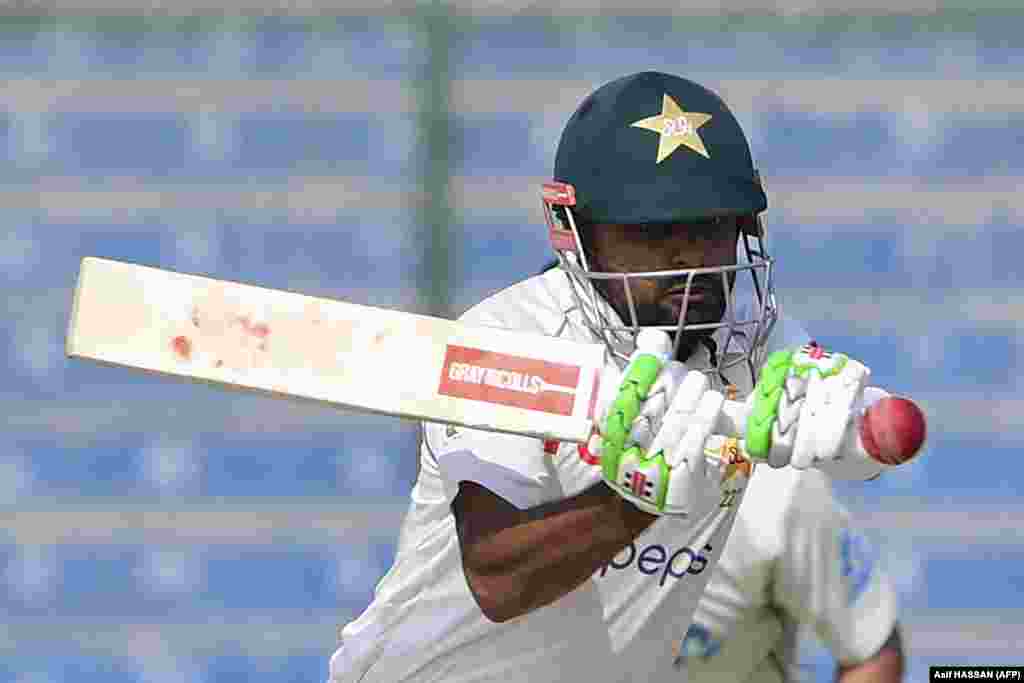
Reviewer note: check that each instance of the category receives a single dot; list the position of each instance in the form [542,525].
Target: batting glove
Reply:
[652,435]
[802,407]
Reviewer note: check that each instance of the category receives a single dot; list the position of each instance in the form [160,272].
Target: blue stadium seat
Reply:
[497,47]
[498,145]
[302,576]
[362,252]
[816,256]
[22,49]
[304,143]
[146,241]
[240,577]
[349,253]
[938,476]
[62,666]
[969,358]
[229,668]
[349,463]
[121,581]
[149,145]
[126,46]
[276,45]
[137,667]
[984,356]
[1004,235]
[355,461]
[523,248]
[980,577]
[308,468]
[978,146]
[797,143]
[104,579]
[373,49]
[720,47]
[107,467]
[945,474]
[262,47]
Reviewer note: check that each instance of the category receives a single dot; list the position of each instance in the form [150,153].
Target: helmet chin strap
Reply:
[712,348]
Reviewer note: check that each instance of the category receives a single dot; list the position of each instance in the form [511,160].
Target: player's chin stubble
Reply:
[710,311]
[655,311]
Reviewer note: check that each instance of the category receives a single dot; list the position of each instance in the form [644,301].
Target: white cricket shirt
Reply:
[424,624]
[794,557]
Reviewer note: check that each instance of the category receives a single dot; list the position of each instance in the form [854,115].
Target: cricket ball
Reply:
[893,430]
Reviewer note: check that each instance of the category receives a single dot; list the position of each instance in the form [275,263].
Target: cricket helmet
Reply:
[656,148]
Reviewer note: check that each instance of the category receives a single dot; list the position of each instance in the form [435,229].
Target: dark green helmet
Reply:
[657,148]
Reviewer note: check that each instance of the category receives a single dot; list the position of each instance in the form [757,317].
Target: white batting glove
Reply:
[802,407]
[653,434]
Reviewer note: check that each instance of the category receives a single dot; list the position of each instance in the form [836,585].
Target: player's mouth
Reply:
[702,303]
[695,308]
[698,294]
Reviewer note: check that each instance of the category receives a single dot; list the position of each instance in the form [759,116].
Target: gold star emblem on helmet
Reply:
[675,127]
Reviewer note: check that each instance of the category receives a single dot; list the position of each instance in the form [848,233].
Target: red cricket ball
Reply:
[893,430]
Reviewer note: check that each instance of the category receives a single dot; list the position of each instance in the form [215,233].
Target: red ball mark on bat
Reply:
[893,430]
[182,347]
[259,330]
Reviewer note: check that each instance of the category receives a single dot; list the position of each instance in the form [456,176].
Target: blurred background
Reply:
[390,153]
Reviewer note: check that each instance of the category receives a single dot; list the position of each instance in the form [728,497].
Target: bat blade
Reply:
[351,356]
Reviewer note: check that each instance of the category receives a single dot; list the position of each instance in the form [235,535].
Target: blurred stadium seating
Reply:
[166,532]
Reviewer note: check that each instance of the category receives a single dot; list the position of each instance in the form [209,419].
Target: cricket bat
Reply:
[352,356]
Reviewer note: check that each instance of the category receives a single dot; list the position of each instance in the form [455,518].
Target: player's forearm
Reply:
[548,551]
[885,667]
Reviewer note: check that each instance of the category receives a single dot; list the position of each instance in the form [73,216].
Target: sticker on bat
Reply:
[509,380]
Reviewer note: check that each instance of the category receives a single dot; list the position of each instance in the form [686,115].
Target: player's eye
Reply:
[704,229]
[701,229]
[658,231]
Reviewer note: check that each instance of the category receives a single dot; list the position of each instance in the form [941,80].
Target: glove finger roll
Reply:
[679,415]
[659,399]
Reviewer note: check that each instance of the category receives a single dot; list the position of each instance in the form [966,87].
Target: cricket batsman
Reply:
[527,561]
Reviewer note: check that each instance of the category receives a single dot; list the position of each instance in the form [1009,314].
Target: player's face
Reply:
[622,248]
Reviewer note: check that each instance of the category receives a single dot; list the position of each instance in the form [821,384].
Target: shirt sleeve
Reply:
[517,468]
[828,575]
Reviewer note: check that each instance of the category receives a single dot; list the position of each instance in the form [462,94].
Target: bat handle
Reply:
[733,418]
